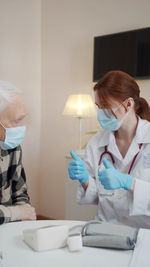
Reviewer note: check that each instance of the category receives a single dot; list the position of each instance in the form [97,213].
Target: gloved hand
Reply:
[111,178]
[77,169]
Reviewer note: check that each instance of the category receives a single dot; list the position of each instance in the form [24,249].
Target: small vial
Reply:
[74,242]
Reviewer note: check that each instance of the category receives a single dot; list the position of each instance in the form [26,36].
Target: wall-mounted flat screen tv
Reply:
[127,51]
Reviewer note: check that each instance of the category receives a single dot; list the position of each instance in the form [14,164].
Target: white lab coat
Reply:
[124,206]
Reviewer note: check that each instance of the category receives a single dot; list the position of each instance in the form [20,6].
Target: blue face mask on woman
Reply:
[13,137]
[108,121]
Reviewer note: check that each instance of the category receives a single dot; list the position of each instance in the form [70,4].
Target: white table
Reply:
[17,254]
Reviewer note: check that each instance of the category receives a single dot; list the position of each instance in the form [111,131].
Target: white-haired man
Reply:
[14,199]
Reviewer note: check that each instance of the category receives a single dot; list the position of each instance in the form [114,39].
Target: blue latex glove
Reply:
[77,169]
[111,178]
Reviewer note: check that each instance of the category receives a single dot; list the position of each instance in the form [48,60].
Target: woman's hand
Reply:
[77,169]
[112,179]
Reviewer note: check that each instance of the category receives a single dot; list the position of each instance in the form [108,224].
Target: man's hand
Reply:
[27,212]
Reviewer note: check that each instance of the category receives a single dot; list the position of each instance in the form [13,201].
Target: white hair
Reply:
[7,92]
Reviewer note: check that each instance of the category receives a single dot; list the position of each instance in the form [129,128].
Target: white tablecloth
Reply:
[17,254]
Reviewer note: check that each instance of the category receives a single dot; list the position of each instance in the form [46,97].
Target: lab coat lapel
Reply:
[112,147]
[132,151]
[143,132]
[142,136]
[108,139]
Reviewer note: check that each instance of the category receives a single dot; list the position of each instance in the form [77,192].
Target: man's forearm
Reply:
[9,214]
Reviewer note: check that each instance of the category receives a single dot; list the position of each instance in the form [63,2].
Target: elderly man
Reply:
[14,199]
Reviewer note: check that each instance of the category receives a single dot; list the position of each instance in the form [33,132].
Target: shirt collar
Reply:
[143,132]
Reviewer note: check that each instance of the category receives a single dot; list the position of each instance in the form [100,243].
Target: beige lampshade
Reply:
[79,105]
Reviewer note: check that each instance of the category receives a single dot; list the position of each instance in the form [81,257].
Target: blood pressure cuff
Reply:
[108,235]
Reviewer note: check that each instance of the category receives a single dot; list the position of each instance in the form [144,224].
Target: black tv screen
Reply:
[127,51]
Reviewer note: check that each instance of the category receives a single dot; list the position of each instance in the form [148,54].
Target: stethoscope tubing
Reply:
[112,158]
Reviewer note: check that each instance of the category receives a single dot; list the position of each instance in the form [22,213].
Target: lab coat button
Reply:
[124,219]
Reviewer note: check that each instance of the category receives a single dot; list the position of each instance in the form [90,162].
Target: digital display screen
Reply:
[127,51]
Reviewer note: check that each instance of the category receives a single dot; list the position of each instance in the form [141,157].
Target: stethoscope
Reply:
[112,158]
[106,152]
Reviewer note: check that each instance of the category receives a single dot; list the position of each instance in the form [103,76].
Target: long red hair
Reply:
[120,86]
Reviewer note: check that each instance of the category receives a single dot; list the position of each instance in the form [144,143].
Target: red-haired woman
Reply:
[116,171]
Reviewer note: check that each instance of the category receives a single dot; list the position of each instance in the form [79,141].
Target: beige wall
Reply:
[68,28]
[20,63]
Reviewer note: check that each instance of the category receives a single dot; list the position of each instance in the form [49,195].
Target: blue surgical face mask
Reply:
[108,121]
[13,137]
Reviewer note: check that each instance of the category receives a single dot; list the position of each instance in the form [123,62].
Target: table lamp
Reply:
[79,106]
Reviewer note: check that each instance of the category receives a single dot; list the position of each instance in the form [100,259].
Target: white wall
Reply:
[20,63]
[68,28]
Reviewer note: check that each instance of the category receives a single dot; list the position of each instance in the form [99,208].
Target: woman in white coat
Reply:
[115,173]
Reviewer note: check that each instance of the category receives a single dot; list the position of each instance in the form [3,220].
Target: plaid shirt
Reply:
[13,188]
